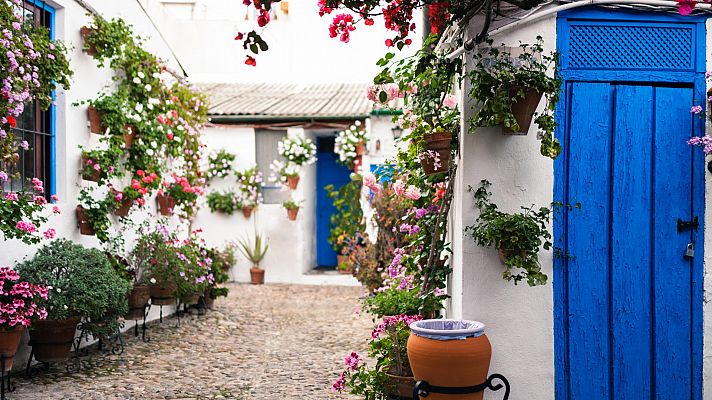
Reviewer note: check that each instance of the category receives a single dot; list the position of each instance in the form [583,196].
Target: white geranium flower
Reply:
[147,87]
[153,280]
[136,81]
[59,290]
[357,123]
[141,75]
[149,152]
[139,107]
[154,144]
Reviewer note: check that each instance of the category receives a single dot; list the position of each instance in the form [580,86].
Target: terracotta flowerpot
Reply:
[9,340]
[401,386]
[436,157]
[162,296]
[293,182]
[124,206]
[523,109]
[292,213]
[247,212]
[85,31]
[257,276]
[191,299]
[450,363]
[88,172]
[166,204]
[85,226]
[138,298]
[344,260]
[504,253]
[51,340]
[95,123]
[129,135]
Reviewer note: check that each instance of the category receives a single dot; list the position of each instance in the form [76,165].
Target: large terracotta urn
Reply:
[9,340]
[449,353]
[51,340]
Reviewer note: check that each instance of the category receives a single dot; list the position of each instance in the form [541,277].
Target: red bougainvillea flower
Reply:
[685,7]
[251,61]
[438,16]
[263,19]
[368,22]
[389,42]
[342,26]
[12,121]
[239,36]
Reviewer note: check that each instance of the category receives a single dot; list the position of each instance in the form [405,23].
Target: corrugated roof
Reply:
[264,100]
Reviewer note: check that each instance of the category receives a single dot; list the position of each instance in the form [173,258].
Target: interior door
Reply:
[627,287]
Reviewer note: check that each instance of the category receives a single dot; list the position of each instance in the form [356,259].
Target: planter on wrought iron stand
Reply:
[51,340]
[451,357]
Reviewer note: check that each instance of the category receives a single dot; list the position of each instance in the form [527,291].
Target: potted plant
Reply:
[249,196]
[140,292]
[255,252]
[21,306]
[93,214]
[297,149]
[81,284]
[292,206]
[285,173]
[219,164]
[84,222]
[391,375]
[349,145]
[517,236]
[509,88]
[123,203]
[222,202]
[195,270]
[156,256]
[99,165]
[180,191]
[347,222]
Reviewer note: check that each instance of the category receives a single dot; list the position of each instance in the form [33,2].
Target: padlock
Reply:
[690,251]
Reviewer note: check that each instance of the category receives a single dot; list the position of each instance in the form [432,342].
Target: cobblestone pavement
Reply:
[262,342]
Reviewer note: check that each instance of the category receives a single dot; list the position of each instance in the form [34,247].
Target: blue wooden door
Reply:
[328,172]
[629,290]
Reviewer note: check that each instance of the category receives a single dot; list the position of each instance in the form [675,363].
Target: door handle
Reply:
[694,223]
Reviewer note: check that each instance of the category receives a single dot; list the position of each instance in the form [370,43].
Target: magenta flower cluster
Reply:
[702,141]
[393,321]
[19,299]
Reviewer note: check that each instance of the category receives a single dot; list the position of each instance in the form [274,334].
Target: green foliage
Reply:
[348,218]
[518,235]
[25,208]
[499,80]
[155,256]
[82,283]
[109,39]
[223,202]
[395,301]
[218,292]
[219,164]
[292,204]
[97,211]
[255,250]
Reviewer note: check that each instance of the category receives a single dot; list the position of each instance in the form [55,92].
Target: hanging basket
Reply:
[85,31]
[166,204]
[523,109]
[83,222]
[129,135]
[124,206]
[292,213]
[88,172]
[247,212]
[95,121]
[293,182]
[435,159]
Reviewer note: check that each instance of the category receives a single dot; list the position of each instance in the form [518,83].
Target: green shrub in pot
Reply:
[155,255]
[81,282]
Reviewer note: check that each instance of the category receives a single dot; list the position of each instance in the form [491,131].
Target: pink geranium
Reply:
[19,305]
[412,193]
[399,187]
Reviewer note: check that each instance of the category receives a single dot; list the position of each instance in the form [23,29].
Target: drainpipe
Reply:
[554,10]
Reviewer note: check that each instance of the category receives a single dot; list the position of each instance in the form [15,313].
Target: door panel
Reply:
[628,284]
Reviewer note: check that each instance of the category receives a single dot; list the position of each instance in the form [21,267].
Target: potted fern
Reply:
[255,251]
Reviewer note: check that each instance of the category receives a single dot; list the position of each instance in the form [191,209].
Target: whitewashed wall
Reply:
[203,32]
[519,319]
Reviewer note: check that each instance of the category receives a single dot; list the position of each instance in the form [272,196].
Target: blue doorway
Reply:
[328,172]
[628,300]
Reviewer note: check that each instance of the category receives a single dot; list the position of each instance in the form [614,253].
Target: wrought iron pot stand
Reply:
[423,388]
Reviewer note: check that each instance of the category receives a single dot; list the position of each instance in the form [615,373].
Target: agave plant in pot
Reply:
[21,306]
[81,284]
[255,251]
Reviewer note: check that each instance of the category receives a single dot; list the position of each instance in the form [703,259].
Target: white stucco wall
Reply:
[301,50]
[519,319]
